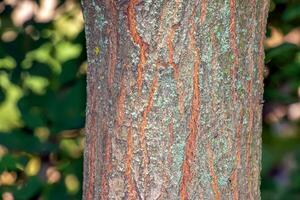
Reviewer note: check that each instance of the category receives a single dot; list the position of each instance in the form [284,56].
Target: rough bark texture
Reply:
[174,99]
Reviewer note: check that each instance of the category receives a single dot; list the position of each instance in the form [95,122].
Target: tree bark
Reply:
[174,99]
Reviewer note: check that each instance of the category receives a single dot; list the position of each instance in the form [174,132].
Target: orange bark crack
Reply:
[121,104]
[170,47]
[112,32]
[91,147]
[132,25]
[248,147]
[233,44]
[203,11]
[132,193]
[193,123]
[107,166]
[251,114]
[234,175]
[113,40]
[143,126]
[214,182]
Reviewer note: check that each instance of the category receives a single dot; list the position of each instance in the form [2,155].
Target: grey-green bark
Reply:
[174,99]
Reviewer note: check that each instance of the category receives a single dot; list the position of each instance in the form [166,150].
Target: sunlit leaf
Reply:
[9,113]
[37,84]
[7,63]
[67,51]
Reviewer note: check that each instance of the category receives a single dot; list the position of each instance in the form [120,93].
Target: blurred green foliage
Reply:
[42,100]
[281,130]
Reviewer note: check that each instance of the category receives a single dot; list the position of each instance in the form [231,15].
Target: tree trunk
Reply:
[174,99]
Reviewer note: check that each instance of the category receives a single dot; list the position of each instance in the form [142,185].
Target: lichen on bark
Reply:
[174,92]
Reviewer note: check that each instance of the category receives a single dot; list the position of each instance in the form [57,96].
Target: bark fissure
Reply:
[193,122]
[175,67]
[112,33]
[132,193]
[143,143]
[250,91]
[234,176]
[214,178]
[132,26]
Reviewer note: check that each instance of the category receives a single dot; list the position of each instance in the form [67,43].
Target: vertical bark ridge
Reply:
[210,152]
[91,153]
[91,166]
[234,175]
[112,31]
[121,104]
[171,50]
[107,166]
[138,40]
[143,125]
[214,178]
[193,122]
[262,30]
[175,67]
[256,167]
[160,32]
[171,59]
[168,162]
[203,11]
[91,126]
[248,146]
[132,193]
[251,103]
[235,50]
[170,37]
[234,46]
[112,51]
[171,130]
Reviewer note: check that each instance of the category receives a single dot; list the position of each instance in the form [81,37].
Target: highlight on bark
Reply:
[174,92]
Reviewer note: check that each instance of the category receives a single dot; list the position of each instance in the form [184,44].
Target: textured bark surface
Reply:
[174,99]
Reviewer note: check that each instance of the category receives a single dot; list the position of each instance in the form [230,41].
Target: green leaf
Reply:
[20,141]
[7,62]
[30,188]
[12,163]
[66,51]
[291,13]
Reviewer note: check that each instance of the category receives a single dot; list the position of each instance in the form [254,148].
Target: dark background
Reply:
[42,100]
